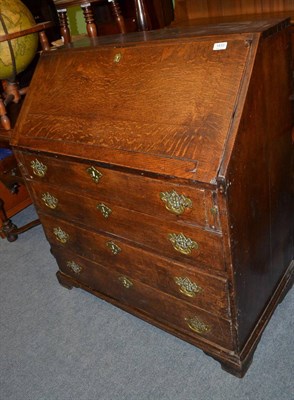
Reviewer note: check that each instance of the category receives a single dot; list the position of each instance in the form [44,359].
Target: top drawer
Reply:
[136,192]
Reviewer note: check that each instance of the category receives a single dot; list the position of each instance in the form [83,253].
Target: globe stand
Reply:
[11,91]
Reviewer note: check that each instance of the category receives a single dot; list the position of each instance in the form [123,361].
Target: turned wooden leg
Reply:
[8,227]
[142,16]
[118,15]
[11,90]
[64,28]
[4,120]
[89,19]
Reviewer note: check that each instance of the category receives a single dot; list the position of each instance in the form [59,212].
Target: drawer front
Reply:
[185,243]
[159,306]
[187,283]
[157,198]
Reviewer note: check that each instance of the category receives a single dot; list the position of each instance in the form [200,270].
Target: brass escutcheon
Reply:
[175,203]
[94,174]
[49,200]
[214,210]
[105,211]
[182,244]
[61,236]
[197,326]
[76,268]
[187,287]
[117,57]
[39,168]
[114,248]
[125,282]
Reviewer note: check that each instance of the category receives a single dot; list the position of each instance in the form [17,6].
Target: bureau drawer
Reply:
[188,283]
[159,306]
[136,192]
[185,243]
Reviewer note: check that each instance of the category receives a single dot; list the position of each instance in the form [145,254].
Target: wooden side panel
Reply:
[260,202]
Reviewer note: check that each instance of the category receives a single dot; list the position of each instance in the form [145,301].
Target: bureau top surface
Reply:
[164,102]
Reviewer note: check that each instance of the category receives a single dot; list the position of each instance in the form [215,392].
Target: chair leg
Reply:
[89,20]
[64,27]
[118,16]
[8,228]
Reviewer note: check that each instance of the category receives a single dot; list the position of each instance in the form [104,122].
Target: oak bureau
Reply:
[160,167]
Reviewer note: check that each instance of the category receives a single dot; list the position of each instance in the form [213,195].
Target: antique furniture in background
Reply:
[139,15]
[189,10]
[86,6]
[11,91]
[170,196]
[194,12]
[103,17]
[13,194]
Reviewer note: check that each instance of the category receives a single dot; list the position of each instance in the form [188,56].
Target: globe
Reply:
[16,54]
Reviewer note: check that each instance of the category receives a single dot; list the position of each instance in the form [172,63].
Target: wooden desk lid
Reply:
[168,106]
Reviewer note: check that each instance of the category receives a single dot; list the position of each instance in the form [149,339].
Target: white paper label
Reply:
[220,46]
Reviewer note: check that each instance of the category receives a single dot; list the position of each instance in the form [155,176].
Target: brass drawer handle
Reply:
[94,174]
[60,235]
[175,203]
[105,211]
[187,287]
[49,200]
[197,326]
[182,244]
[125,282]
[114,248]
[76,268]
[39,168]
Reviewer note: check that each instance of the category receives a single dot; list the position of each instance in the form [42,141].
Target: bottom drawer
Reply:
[158,306]
[189,283]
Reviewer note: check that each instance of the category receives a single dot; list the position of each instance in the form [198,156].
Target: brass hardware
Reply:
[94,174]
[105,211]
[61,236]
[214,210]
[182,244]
[187,287]
[114,248]
[49,200]
[125,282]
[39,168]
[197,326]
[76,268]
[117,57]
[174,202]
